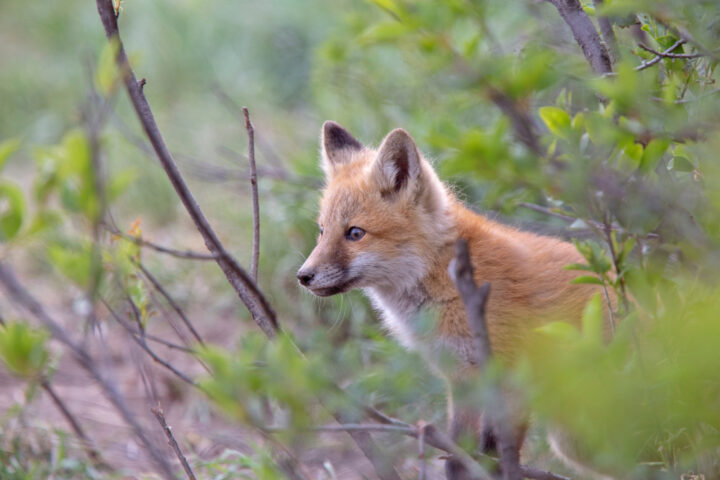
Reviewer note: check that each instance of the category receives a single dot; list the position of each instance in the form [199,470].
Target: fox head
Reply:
[383,215]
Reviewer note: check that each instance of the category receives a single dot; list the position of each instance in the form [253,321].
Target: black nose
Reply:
[305,277]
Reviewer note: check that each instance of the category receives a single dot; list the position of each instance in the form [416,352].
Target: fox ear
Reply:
[398,161]
[337,146]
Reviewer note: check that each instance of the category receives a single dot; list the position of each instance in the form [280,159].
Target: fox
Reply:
[388,226]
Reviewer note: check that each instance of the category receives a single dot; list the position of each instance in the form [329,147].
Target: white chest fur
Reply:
[398,310]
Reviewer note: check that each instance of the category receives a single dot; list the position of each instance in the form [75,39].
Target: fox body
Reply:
[388,225]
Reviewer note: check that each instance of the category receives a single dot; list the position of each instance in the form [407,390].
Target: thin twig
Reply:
[568,218]
[22,297]
[667,54]
[140,340]
[158,412]
[659,57]
[173,304]
[75,425]
[607,229]
[246,288]
[254,192]
[187,254]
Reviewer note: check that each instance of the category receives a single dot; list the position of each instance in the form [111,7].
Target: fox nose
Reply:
[305,277]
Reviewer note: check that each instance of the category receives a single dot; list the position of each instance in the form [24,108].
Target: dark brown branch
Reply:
[606,29]
[522,123]
[173,304]
[22,297]
[245,287]
[92,453]
[254,192]
[475,300]
[158,412]
[187,254]
[585,34]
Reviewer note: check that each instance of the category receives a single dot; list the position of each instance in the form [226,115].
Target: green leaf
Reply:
[653,153]
[383,32]
[560,331]
[23,349]
[73,260]
[106,75]
[587,279]
[7,149]
[578,266]
[12,210]
[391,7]
[593,320]
[681,164]
[557,120]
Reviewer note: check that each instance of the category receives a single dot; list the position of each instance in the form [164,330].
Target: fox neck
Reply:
[401,302]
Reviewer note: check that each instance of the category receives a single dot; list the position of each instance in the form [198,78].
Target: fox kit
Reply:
[388,226]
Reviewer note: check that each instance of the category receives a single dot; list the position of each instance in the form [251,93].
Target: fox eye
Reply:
[354,233]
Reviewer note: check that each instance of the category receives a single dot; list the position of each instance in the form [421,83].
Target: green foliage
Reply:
[12,210]
[277,369]
[629,157]
[23,349]
[638,397]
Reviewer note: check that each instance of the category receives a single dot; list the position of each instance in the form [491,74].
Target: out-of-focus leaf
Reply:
[7,149]
[653,153]
[12,210]
[557,120]
[560,331]
[73,260]
[593,320]
[23,349]
[107,73]
[587,279]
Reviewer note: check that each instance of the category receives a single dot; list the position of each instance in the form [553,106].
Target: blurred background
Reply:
[497,94]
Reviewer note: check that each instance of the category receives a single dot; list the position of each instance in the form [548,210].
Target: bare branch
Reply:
[22,297]
[585,34]
[160,416]
[254,191]
[75,425]
[243,284]
[140,340]
[474,298]
[608,34]
[173,304]
[187,254]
